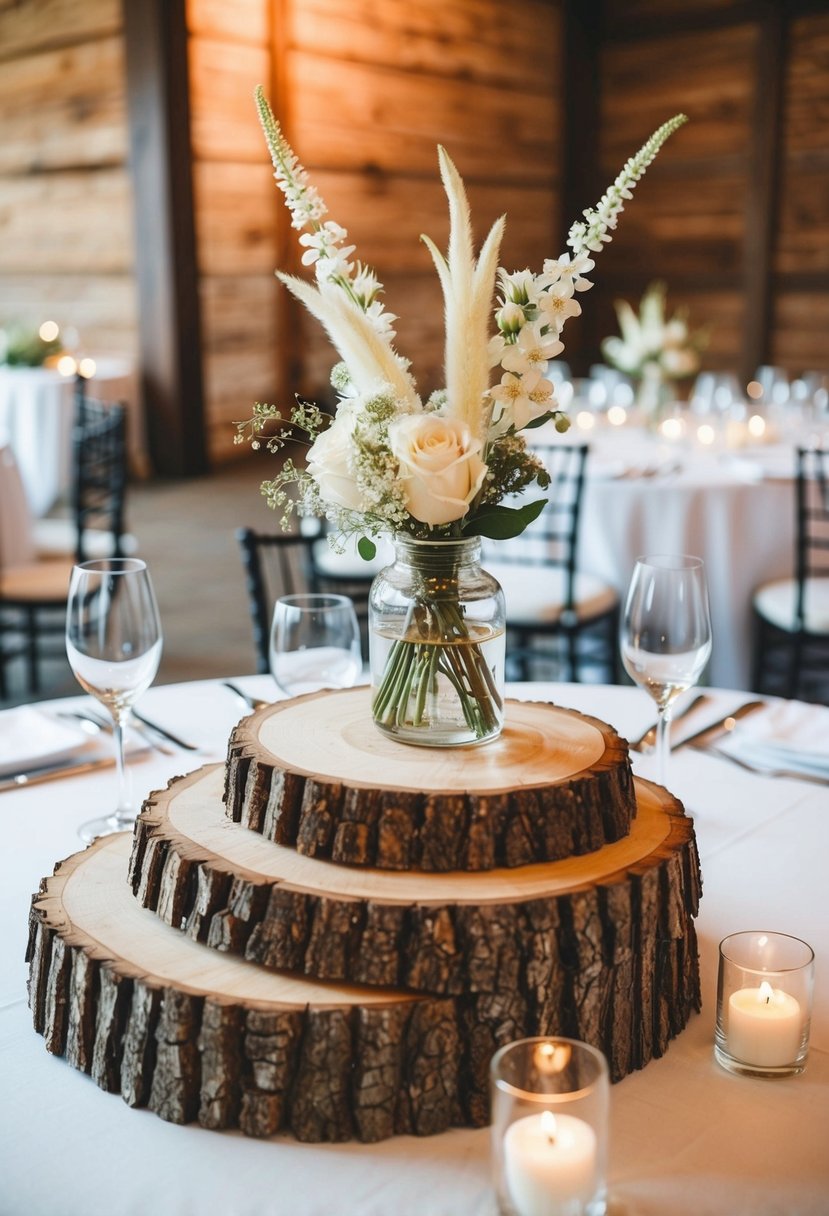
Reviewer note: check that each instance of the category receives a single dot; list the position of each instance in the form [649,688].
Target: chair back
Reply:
[100,470]
[552,539]
[812,555]
[275,565]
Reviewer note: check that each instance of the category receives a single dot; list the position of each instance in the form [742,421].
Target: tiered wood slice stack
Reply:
[332,933]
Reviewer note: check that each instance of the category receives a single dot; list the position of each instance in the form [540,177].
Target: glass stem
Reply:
[663,743]
[123,812]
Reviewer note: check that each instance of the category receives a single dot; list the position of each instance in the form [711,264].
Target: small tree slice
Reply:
[316,774]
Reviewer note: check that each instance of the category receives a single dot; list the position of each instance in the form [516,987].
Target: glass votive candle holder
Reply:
[764,1004]
[550,1105]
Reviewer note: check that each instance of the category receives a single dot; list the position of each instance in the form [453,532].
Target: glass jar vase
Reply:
[437,641]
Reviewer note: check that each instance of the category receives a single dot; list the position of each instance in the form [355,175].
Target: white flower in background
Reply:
[439,465]
[666,349]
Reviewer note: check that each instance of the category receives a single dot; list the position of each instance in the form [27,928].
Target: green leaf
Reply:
[366,548]
[534,422]
[502,523]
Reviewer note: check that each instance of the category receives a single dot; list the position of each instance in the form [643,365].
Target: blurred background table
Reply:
[734,508]
[36,418]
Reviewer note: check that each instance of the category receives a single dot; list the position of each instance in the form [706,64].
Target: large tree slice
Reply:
[315,773]
[197,1034]
[430,932]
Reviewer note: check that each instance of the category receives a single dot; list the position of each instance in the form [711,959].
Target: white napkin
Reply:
[30,738]
[787,734]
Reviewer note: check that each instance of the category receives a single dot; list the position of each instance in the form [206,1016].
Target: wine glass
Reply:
[113,641]
[665,635]
[315,643]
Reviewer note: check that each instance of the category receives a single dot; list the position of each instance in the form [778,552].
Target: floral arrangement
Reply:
[23,346]
[434,470]
[389,461]
[652,344]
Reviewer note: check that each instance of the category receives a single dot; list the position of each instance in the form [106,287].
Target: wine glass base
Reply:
[106,825]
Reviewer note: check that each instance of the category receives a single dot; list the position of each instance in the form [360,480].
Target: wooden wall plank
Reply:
[64,109]
[231,21]
[235,217]
[67,222]
[471,40]
[352,115]
[38,24]
[801,324]
[223,77]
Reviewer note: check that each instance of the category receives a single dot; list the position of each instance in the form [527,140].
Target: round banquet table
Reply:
[37,407]
[686,1137]
[735,508]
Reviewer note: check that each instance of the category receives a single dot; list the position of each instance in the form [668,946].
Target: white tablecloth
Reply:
[687,1139]
[37,407]
[735,510]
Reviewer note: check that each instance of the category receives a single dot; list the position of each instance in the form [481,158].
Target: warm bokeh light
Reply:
[49,330]
[585,421]
[617,416]
[66,365]
[706,434]
[754,389]
[87,368]
[672,428]
[756,426]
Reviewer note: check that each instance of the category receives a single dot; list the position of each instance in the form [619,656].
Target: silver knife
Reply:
[51,772]
[718,729]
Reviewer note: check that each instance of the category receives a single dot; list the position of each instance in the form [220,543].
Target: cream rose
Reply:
[330,462]
[439,465]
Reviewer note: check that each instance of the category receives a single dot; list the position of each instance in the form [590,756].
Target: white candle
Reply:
[765,1026]
[550,1165]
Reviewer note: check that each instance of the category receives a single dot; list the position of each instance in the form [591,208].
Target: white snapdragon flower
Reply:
[325,244]
[532,350]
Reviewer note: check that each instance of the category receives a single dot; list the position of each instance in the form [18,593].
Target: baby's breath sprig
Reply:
[304,416]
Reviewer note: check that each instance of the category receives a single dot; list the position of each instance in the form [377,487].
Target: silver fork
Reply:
[760,771]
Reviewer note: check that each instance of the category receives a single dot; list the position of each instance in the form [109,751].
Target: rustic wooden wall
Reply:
[734,215]
[229,53]
[66,247]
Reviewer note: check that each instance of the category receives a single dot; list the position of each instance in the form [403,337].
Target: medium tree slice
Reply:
[315,773]
[600,947]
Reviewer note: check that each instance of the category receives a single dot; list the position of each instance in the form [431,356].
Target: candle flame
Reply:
[766,992]
[548,1124]
[552,1057]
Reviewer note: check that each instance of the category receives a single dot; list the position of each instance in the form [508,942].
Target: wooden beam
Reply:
[166,270]
[762,192]
[580,141]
